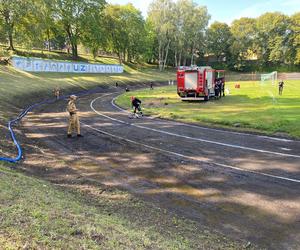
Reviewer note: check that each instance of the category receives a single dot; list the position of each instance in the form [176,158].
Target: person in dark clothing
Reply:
[136,104]
[151,85]
[117,84]
[222,88]
[217,90]
[280,85]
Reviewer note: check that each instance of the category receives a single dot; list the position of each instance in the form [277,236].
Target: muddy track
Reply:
[244,186]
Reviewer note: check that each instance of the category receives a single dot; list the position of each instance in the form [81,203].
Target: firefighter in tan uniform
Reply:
[74,123]
[56,92]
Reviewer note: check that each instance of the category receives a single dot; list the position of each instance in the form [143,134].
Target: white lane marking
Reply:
[286,149]
[192,138]
[190,157]
[204,128]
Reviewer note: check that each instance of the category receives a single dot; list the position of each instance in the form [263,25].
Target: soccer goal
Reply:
[268,85]
[269,78]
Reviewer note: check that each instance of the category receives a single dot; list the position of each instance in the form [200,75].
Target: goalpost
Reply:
[269,78]
[268,84]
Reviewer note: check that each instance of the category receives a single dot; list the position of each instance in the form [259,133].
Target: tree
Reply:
[125,28]
[219,39]
[294,39]
[244,33]
[11,12]
[150,52]
[190,22]
[272,37]
[160,15]
[72,15]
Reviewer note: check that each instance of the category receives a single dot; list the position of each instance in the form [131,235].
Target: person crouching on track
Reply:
[136,104]
[74,123]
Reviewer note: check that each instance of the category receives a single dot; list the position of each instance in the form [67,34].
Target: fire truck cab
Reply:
[198,83]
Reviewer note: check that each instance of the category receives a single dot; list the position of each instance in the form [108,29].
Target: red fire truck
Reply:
[198,83]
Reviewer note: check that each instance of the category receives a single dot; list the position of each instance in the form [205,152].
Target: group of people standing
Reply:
[219,88]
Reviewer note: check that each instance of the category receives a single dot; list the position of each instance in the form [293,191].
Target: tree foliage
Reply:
[176,32]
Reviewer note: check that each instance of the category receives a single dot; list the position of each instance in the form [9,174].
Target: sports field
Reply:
[253,107]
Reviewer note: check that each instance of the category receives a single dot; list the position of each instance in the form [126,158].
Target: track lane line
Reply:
[191,138]
[190,157]
[211,129]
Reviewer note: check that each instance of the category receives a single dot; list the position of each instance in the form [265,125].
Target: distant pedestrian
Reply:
[74,123]
[56,92]
[117,84]
[280,86]
[151,85]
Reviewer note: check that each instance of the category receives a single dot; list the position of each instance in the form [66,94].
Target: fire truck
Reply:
[198,83]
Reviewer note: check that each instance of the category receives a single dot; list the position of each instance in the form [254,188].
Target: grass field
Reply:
[253,107]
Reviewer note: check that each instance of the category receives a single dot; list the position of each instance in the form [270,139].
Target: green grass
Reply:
[252,107]
[35,214]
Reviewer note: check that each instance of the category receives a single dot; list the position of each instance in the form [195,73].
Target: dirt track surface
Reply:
[244,186]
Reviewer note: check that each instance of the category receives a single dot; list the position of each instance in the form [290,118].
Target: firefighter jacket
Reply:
[71,107]
[136,102]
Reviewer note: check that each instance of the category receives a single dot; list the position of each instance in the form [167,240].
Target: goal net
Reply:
[268,85]
[269,78]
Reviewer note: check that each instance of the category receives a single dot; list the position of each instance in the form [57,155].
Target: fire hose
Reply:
[25,111]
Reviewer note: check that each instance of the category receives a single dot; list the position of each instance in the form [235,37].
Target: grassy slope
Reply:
[252,107]
[18,89]
[37,214]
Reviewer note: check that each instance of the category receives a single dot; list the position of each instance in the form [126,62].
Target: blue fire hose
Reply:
[13,122]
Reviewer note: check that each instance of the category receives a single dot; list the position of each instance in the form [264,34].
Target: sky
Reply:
[229,10]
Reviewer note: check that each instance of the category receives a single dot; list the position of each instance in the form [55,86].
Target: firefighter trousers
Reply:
[74,124]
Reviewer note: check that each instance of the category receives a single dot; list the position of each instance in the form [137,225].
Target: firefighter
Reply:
[74,123]
[280,85]
[217,90]
[223,88]
[136,104]
[56,92]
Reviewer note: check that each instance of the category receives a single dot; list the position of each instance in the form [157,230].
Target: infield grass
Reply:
[252,107]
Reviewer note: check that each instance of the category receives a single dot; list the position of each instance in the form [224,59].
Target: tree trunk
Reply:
[73,42]
[120,57]
[167,52]
[10,38]
[74,50]
[160,55]
[10,30]
[192,59]
[179,59]
[48,39]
